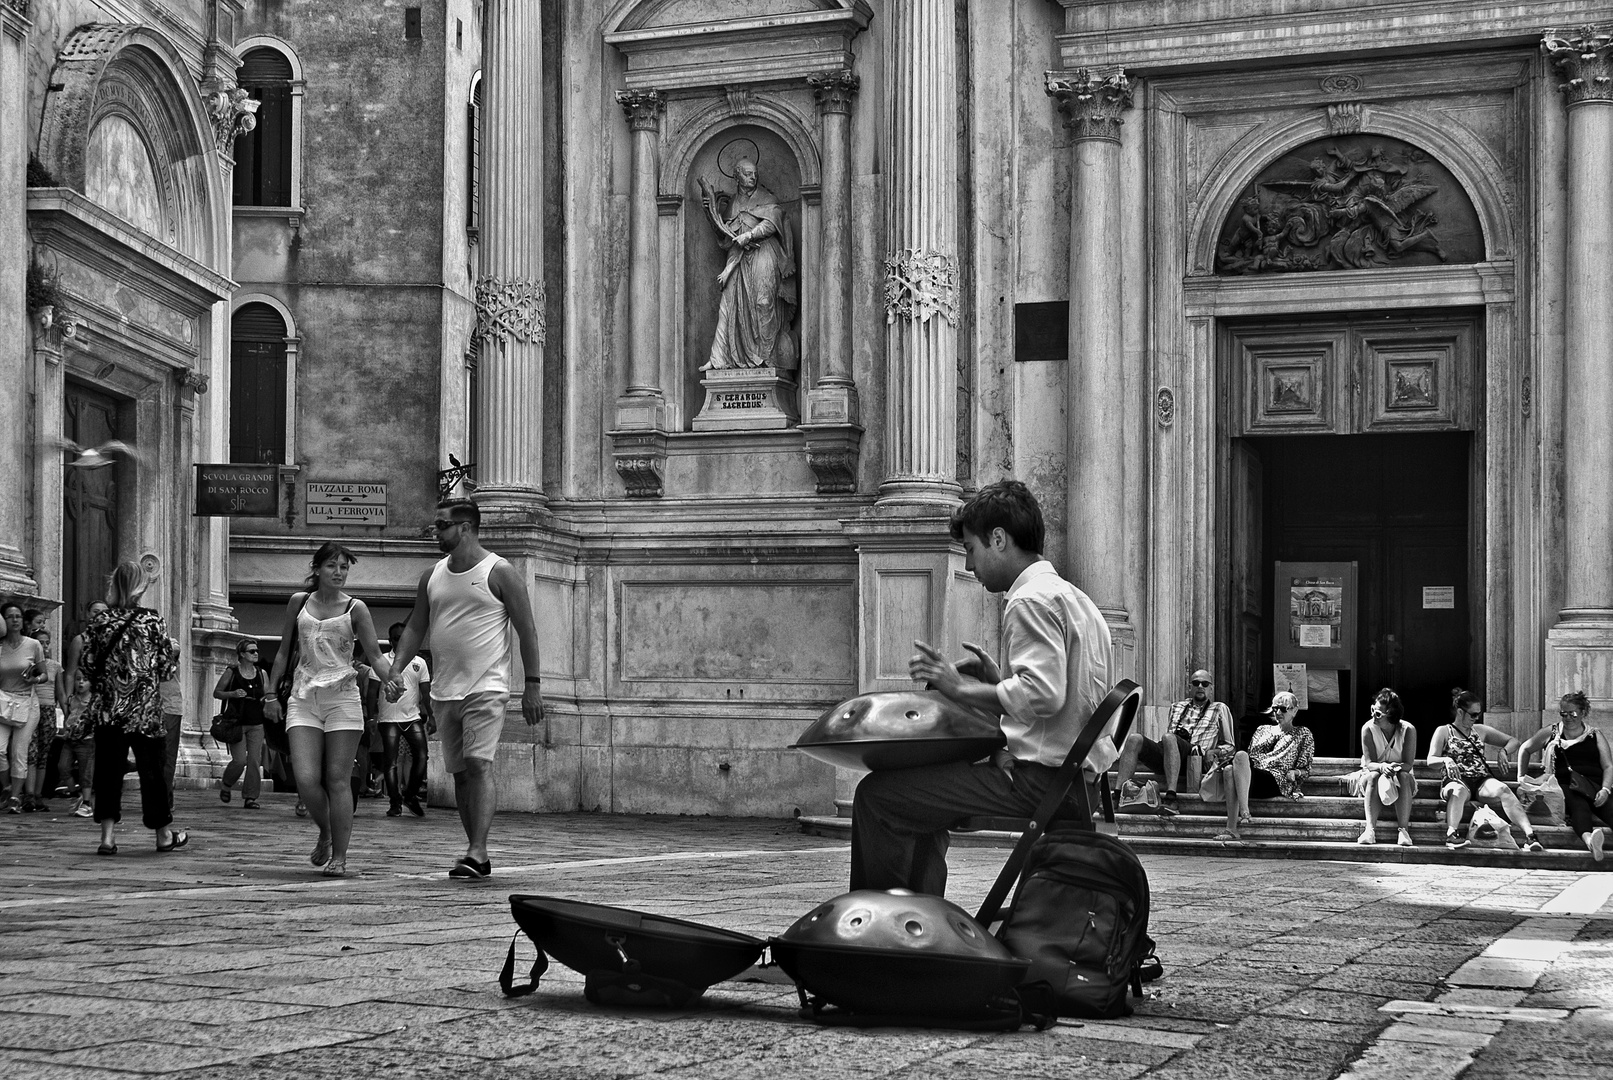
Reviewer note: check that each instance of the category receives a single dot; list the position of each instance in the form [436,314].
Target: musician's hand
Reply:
[930,667]
[982,665]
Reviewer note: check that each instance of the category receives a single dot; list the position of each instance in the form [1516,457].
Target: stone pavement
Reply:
[234,959]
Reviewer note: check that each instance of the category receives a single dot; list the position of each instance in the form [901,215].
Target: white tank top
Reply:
[324,652]
[470,632]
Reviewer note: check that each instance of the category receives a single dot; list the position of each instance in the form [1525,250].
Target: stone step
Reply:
[1558,857]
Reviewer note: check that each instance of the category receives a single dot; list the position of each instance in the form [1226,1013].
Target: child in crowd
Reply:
[45,732]
[78,749]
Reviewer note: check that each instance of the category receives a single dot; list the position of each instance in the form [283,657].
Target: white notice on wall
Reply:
[1439,596]
[1291,677]
[1315,636]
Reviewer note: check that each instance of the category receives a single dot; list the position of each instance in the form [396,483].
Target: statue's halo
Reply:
[730,155]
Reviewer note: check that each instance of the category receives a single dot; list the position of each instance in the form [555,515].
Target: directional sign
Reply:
[345,504]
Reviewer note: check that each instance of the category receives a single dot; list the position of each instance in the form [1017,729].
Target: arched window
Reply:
[473,163]
[263,156]
[257,386]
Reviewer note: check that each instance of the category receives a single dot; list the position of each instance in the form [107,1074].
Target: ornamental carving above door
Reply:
[1350,203]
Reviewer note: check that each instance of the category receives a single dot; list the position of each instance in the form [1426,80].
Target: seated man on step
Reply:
[1198,724]
[1055,672]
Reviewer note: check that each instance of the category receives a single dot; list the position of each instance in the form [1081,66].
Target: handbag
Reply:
[225,730]
[1213,788]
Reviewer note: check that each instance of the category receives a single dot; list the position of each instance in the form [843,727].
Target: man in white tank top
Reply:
[470,601]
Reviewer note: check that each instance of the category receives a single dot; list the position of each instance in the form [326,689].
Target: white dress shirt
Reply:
[1055,668]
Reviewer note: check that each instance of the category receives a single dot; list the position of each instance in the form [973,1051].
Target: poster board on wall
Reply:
[1316,615]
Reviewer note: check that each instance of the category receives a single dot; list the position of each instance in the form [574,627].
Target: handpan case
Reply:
[899,730]
[899,953]
[630,957]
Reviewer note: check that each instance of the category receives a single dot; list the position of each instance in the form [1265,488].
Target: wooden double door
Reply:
[1327,465]
[90,518]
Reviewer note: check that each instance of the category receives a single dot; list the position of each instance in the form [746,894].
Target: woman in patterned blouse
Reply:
[126,653]
[1278,759]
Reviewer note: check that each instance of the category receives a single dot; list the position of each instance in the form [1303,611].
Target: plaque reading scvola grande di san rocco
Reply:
[344,503]
[237,491]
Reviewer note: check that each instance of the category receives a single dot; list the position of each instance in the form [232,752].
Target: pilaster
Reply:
[832,429]
[1093,104]
[509,290]
[1580,646]
[17,370]
[638,437]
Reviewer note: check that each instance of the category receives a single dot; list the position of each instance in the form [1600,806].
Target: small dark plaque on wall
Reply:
[1042,331]
[237,491]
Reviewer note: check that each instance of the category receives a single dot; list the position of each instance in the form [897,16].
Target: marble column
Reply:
[1092,103]
[639,435]
[833,434]
[17,387]
[509,290]
[1585,628]
[921,266]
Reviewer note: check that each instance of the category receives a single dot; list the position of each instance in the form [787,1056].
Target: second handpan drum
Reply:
[900,730]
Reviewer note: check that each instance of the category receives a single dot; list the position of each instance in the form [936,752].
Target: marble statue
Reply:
[758,279]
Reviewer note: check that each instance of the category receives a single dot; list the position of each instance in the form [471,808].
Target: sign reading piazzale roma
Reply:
[345,503]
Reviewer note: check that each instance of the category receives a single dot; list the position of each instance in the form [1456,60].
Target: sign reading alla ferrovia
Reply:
[345,503]
[237,490]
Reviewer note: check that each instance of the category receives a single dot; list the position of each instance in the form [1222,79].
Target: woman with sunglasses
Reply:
[1277,762]
[1388,752]
[241,689]
[1582,760]
[1459,747]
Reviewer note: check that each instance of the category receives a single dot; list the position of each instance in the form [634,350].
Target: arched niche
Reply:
[1350,202]
[778,170]
[126,129]
[1479,175]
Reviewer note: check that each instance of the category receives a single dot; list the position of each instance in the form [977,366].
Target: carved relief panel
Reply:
[1411,378]
[1292,381]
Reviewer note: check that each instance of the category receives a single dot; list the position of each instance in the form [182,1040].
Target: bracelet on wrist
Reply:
[533,678]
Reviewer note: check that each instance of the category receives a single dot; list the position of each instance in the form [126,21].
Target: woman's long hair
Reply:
[1389,701]
[327,551]
[1461,699]
[126,585]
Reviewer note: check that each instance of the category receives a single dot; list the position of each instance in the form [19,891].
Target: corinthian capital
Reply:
[834,90]
[1091,101]
[643,108]
[1583,56]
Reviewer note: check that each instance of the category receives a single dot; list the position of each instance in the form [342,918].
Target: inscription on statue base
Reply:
[746,399]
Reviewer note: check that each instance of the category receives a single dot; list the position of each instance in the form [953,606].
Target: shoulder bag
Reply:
[226,727]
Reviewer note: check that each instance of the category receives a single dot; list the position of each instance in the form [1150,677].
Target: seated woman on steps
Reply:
[1276,764]
[1581,758]
[1388,752]
[1459,747]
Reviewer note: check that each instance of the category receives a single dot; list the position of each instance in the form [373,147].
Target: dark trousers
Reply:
[170,751]
[413,734]
[900,817]
[1583,814]
[112,746]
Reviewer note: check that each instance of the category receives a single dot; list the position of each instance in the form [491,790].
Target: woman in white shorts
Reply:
[323,713]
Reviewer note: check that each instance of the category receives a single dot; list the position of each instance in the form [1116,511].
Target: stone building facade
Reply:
[1290,311]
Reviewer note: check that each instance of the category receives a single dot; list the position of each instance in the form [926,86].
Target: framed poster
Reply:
[1315,618]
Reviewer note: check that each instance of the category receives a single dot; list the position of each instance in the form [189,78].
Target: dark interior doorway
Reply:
[90,503]
[1399,507]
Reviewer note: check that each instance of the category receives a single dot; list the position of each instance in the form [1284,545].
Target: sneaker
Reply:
[1598,838]
[63,792]
[395,810]
[223,793]
[13,805]
[413,803]
[1404,839]
[1368,836]
[1455,841]
[83,809]
[1532,843]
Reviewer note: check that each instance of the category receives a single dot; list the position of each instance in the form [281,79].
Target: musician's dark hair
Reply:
[1007,505]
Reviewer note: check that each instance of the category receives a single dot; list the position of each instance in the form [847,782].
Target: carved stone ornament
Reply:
[192,381]
[1091,101]
[1341,84]
[1349,203]
[509,309]
[739,100]
[833,91]
[1344,118]
[233,113]
[643,108]
[1584,58]
[19,6]
[1165,403]
[919,284]
[836,471]
[641,476]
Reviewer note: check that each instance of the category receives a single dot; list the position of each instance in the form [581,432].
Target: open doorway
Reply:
[1398,506]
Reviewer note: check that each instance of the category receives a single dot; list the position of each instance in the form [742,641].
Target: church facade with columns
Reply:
[1290,314]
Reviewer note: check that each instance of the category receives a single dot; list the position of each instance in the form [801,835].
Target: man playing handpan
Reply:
[1056,646]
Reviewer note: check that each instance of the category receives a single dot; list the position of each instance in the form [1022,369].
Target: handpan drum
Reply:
[900,730]
[898,952]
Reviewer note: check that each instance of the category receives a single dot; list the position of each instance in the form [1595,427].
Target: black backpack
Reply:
[1080,915]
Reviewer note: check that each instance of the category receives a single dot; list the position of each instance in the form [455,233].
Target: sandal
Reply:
[176,840]
[468,869]
[301,811]
[107,849]
[1246,819]
[321,853]
[1227,838]
[336,868]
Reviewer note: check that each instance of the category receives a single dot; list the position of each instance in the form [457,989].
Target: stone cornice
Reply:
[731,52]
[1585,59]
[1144,38]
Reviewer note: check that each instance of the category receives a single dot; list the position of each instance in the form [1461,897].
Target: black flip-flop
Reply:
[468,869]
[176,840]
[107,849]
